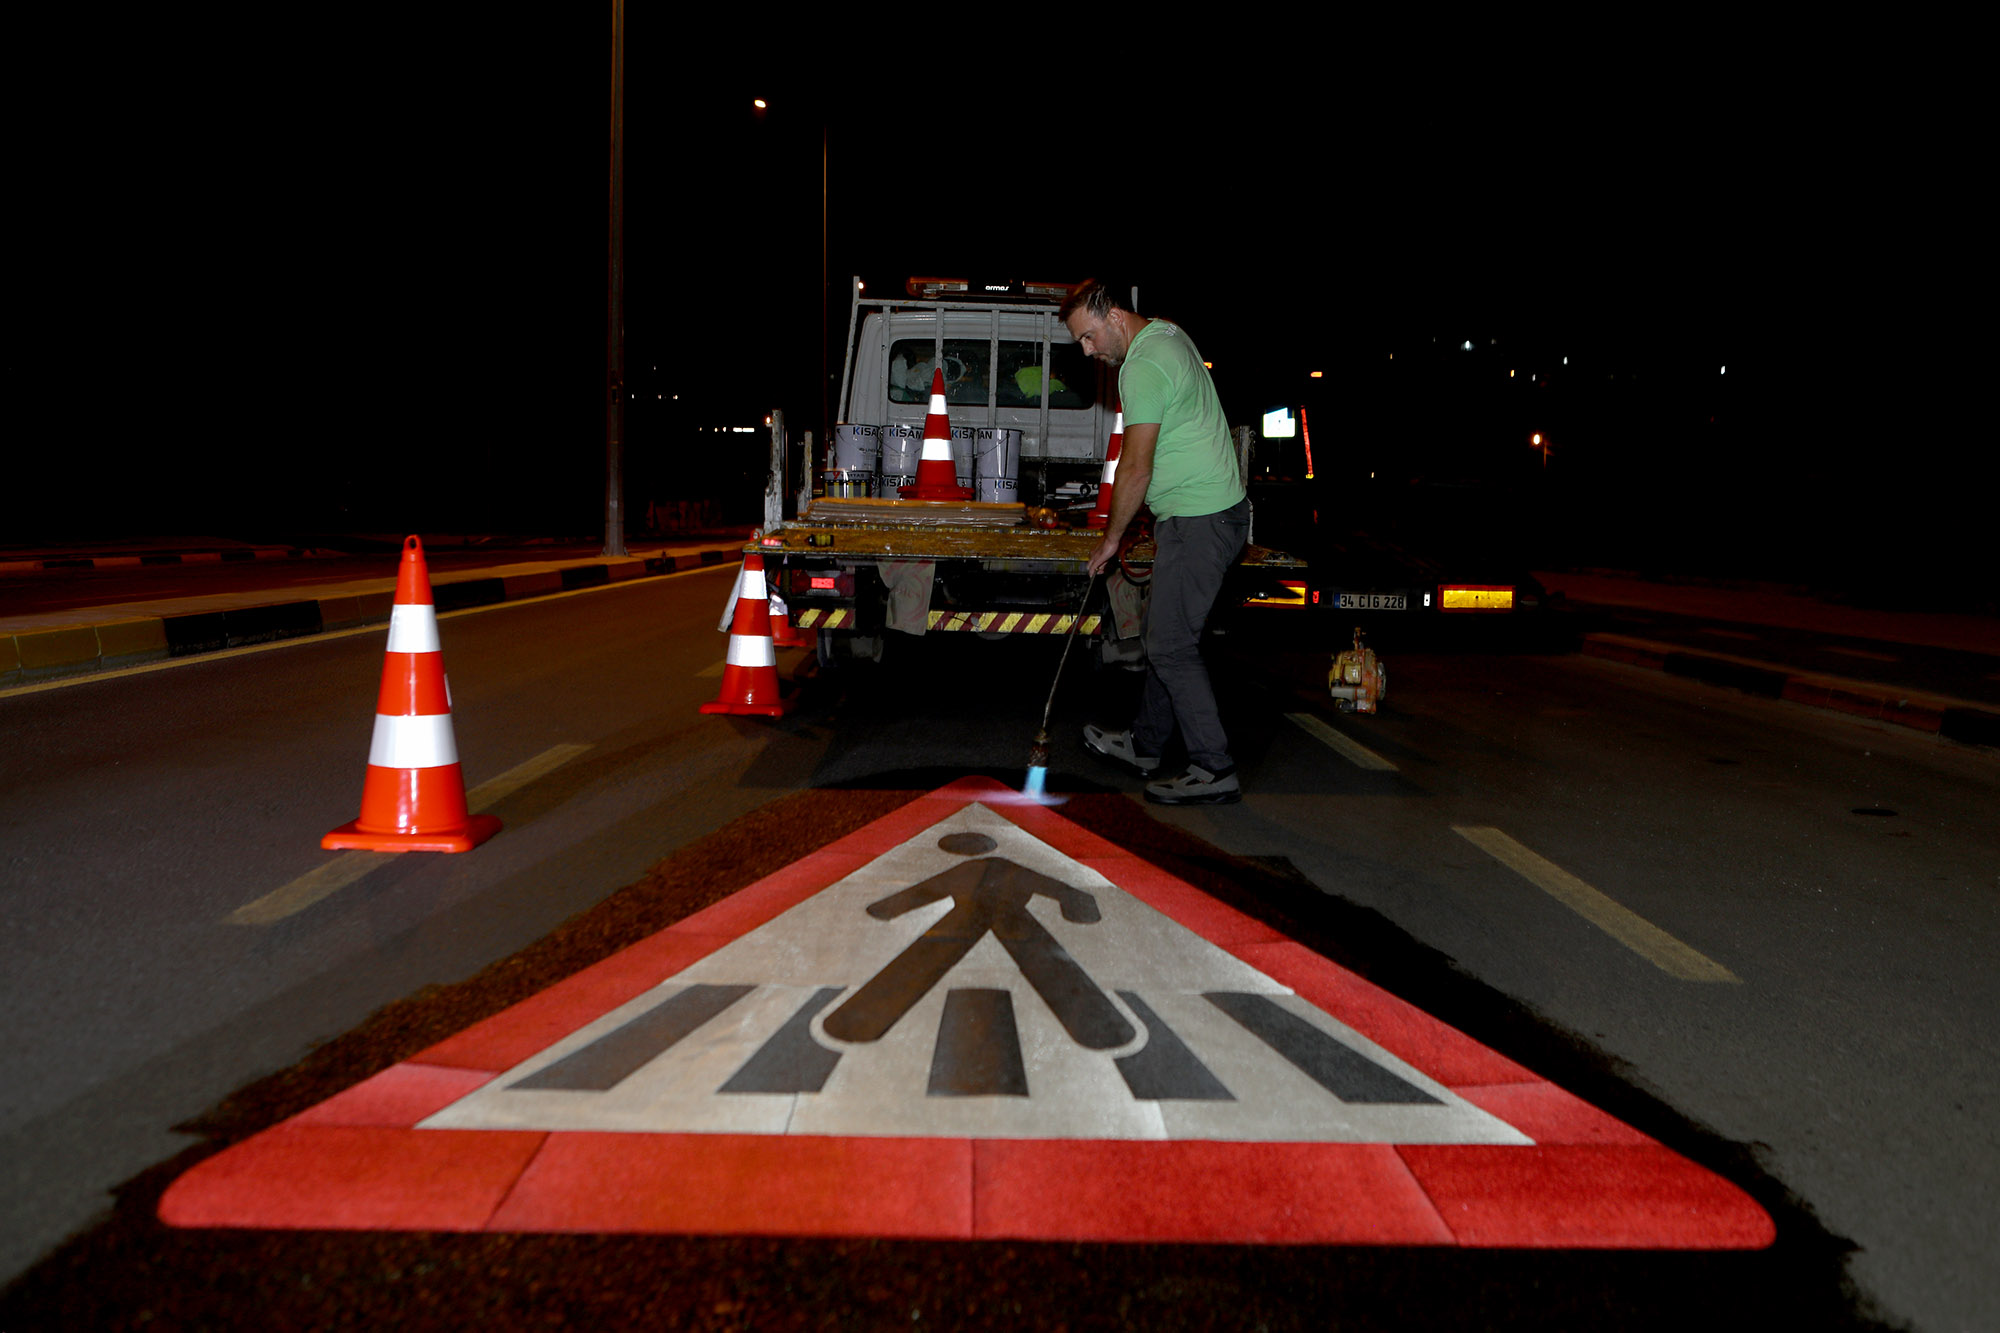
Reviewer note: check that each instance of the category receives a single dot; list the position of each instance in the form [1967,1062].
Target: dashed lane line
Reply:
[1351,750]
[344,869]
[1630,929]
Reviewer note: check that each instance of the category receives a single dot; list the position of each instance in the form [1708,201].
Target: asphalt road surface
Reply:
[1759,933]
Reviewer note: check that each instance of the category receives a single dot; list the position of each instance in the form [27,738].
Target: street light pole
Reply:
[825,290]
[614,333]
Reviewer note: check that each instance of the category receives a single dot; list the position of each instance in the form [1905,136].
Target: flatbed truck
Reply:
[854,566]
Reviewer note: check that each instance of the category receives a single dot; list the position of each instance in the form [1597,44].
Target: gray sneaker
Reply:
[1197,786]
[1117,745]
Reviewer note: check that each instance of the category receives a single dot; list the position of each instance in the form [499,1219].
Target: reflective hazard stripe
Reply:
[424,741]
[413,628]
[753,585]
[1008,622]
[752,650]
[1000,622]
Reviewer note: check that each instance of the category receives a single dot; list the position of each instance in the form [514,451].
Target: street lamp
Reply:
[614,332]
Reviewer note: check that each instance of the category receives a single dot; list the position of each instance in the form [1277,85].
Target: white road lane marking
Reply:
[1351,750]
[1862,653]
[327,879]
[1630,929]
[494,790]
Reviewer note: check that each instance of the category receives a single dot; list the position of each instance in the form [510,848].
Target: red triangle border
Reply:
[356,1161]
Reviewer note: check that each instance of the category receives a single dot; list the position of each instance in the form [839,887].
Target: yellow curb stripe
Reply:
[193,659]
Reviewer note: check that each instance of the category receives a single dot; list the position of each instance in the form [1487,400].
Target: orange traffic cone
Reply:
[750,678]
[414,797]
[1101,514]
[783,635]
[937,474]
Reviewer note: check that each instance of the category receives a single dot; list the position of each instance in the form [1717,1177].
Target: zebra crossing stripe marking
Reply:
[971,1019]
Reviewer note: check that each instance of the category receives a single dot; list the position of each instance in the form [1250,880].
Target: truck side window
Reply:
[965,365]
[912,360]
[1074,378]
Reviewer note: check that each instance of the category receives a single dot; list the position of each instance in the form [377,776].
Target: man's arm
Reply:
[1128,491]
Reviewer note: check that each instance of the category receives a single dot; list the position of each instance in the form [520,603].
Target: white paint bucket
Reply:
[996,466]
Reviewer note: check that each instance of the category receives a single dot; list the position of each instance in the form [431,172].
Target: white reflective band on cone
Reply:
[753,584]
[729,607]
[1110,471]
[746,650]
[937,405]
[413,742]
[937,451]
[413,629]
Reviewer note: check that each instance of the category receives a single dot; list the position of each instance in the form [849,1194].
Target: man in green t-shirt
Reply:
[1178,460]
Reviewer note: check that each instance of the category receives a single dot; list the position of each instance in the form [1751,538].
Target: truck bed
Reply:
[952,530]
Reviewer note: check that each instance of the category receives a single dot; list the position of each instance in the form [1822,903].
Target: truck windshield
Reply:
[967,360]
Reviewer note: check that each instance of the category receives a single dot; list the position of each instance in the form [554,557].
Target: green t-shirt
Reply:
[1163,382]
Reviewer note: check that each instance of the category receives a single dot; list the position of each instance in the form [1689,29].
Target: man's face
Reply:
[1101,339]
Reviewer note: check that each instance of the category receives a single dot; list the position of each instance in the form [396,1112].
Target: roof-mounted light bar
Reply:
[929,289]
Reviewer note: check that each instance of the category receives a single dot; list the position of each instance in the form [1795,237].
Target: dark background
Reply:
[347,271]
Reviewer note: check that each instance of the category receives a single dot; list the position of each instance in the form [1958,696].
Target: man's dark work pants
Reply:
[1193,554]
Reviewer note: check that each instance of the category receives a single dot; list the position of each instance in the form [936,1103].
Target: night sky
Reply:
[359,280]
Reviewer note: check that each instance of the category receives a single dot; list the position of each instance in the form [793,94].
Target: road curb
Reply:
[230,554]
[37,655]
[1937,715]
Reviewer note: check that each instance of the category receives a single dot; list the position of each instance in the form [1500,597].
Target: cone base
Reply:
[922,492]
[351,837]
[778,709]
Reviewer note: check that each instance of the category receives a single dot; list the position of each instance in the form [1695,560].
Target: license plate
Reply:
[1371,601]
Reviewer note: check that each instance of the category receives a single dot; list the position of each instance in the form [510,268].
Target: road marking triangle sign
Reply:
[971,1019]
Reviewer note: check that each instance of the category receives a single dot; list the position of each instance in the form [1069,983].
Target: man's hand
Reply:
[1128,491]
[1106,552]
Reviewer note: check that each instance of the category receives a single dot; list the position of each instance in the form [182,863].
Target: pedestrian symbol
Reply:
[987,895]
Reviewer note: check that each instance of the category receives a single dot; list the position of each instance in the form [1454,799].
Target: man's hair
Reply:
[1096,297]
